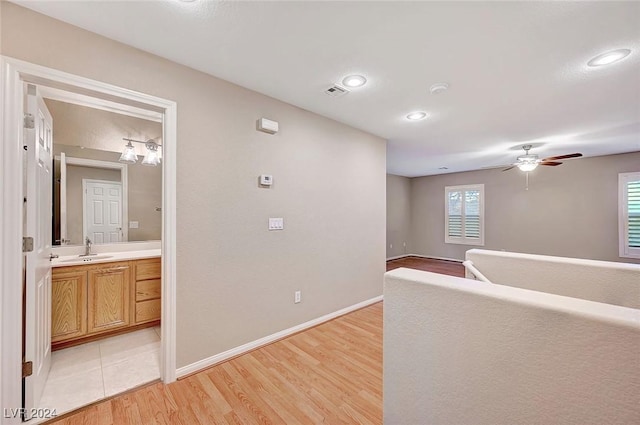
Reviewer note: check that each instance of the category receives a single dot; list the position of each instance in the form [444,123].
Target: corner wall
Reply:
[236,279]
[568,211]
[398,215]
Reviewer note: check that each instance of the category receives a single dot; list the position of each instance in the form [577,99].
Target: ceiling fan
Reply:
[529,161]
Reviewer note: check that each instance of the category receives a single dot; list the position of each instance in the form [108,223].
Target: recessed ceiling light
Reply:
[438,88]
[417,116]
[609,57]
[354,81]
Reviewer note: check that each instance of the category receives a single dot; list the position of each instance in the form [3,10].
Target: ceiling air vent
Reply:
[336,91]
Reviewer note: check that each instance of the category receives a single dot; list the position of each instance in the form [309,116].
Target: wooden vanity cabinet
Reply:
[108,297]
[93,301]
[147,290]
[68,298]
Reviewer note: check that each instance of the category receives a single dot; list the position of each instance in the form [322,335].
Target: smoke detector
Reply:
[438,88]
[336,91]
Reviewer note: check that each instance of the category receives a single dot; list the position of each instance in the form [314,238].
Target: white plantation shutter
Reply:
[455,214]
[464,211]
[472,214]
[629,215]
[633,207]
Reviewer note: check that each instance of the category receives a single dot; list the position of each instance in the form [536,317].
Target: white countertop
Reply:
[104,257]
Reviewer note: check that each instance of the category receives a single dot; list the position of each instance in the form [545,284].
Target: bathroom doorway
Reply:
[105,315]
[16,77]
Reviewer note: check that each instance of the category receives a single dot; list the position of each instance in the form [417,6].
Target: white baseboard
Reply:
[245,348]
[397,257]
[424,256]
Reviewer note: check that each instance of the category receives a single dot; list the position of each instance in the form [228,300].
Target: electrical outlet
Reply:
[390,245]
[297,297]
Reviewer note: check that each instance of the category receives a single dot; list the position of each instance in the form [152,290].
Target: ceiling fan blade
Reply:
[507,169]
[552,163]
[554,158]
[495,166]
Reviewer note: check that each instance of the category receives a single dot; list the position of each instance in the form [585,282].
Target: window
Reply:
[629,214]
[464,214]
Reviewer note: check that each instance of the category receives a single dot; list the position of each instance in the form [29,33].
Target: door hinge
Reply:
[27,244]
[27,369]
[29,121]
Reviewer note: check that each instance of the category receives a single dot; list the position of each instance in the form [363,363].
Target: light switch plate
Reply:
[276,223]
[133,225]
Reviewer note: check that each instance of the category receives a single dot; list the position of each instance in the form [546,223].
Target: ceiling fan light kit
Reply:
[528,166]
[529,162]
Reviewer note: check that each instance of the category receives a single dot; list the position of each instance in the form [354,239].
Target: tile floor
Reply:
[83,374]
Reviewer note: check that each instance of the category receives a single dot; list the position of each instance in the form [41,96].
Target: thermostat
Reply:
[266,180]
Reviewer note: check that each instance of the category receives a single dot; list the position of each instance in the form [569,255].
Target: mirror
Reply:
[94,194]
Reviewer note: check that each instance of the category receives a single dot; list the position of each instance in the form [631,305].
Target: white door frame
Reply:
[13,73]
[124,179]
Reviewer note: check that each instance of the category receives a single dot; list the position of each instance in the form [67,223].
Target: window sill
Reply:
[465,242]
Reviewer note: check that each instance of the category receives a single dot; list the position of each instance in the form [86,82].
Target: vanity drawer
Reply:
[148,269]
[148,310]
[148,289]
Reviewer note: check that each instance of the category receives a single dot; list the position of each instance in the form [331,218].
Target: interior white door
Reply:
[102,211]
[39,210]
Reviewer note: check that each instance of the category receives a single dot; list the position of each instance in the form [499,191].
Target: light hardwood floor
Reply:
[451,268]
[330,374]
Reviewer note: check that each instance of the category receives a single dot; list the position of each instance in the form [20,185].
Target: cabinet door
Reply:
[68,305]
[109,292]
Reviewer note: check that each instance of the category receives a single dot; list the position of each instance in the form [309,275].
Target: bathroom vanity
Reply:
[92,298]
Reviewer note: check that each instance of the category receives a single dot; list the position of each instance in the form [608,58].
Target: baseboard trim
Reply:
[425,256]
[245,348]
[397,257]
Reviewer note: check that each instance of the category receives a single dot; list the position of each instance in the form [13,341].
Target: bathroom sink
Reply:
[87,259]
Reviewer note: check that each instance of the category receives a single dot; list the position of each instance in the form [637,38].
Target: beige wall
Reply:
[570,210]
[398,215]
[236,280]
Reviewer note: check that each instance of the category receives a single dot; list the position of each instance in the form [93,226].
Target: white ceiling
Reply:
[517,70]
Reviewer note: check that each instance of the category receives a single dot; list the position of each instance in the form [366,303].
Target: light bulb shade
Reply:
[528,166]
[129,154]
[152,158]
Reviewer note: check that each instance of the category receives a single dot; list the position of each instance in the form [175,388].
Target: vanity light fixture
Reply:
[608,58]
[417,116]
[152,157]
[354,81]
[129,154]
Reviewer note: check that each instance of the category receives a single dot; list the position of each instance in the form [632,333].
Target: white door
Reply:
[102,211]
[39,210]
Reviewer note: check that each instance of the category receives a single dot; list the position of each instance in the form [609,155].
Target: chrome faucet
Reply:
[87,246]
